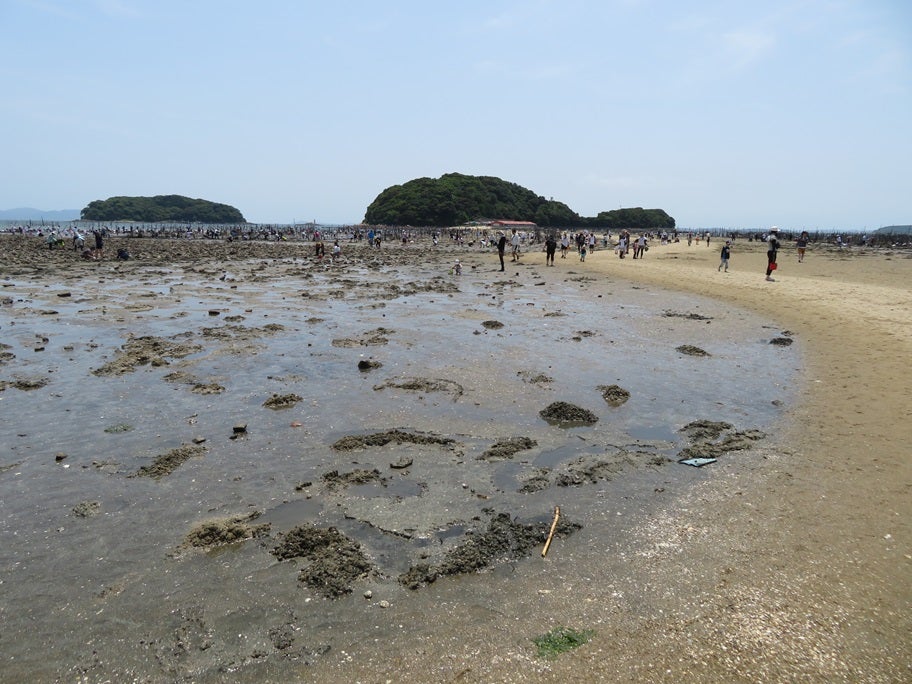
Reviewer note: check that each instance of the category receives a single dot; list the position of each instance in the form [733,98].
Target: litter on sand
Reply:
[697,462]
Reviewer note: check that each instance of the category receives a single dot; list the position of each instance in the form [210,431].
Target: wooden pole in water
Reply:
[551,533]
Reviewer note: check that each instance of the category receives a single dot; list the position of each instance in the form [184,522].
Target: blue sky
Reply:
[725,113]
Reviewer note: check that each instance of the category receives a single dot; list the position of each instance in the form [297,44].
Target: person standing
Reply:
[501,248]
[639,248]
[550,249]
[565,246]
[99,244]
[514,241]
[773,248]
[726,253]
[801,243]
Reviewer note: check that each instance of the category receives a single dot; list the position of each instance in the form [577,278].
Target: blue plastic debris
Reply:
[697,462]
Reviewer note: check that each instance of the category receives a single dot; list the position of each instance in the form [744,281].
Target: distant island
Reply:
[455,199]
[30,214]
[161,208]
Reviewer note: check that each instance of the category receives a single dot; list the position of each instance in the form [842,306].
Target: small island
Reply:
[455,199]
[161,208]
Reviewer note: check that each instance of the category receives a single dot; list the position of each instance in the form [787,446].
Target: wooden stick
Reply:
[551,533]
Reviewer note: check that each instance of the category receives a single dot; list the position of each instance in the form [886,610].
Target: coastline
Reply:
[790,564]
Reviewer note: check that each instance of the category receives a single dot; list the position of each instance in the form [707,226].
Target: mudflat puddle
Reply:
[164,433]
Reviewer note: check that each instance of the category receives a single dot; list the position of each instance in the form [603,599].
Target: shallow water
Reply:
[106,594]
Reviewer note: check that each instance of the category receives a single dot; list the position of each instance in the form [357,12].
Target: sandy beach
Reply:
[790,564]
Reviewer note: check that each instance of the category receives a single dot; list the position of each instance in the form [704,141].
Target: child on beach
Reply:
[457,268]
[726,253]
[801,243]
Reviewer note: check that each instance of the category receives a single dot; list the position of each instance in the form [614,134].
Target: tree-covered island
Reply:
[455,198]
[161,208]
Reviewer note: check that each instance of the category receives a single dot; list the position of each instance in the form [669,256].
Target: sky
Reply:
[724,113]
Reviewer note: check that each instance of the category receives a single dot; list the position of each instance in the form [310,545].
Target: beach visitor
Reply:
[78,241]
[550,249]
[457,268]
[319,249]
[582,250]
[639,247]
[565,246]
[501,248]
[336,251]
[622,246]
[801,243]
[99,244]
[773,242]
[726,253]
[514,241]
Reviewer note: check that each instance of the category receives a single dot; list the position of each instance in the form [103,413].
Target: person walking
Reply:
[501,248]
[726,254]
[550,249]
[514,241]
[565,246]
[801,243]
[773,241]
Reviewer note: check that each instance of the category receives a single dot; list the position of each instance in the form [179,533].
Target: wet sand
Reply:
[791,565]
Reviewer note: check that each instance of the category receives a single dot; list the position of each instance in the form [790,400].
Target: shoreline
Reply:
[791,564]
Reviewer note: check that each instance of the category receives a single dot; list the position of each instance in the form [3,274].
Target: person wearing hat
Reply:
[726,253]
[773,241]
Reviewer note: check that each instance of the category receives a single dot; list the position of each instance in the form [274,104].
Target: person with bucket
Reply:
[773,241]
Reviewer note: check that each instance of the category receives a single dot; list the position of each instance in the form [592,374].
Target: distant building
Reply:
[519,225]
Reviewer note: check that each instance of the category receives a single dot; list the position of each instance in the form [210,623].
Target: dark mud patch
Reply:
[735,441]
[689,316]
[5,354]
[614,395]
[583,471]
[240,333]
[118,428]
[223,531]
[565,414]
[87,509]
[334,480]
[503,540]
[29,384]
[781,341]
[691,350]
[507,448]
[332,561]
[535,378]
[424,385]
[492,325]
[197,386]
[378,439]
[365,365]
[277,402]
[704,430]
[536,482]
[167,463]
[143,351]
[369,339]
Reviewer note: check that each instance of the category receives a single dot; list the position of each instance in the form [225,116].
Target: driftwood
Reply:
[551,533]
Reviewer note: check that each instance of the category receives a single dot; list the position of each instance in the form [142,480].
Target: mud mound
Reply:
[582,473]
[535,378]
[704,430]
[781,341]
[690,316]
[707,448]
[281,401]
[506,448]
[87,509]
[615,395]
[371,338]
[169,462]
[142,351]
[368,365]
[333,561]
[222,531]
[503,540]
[691,350]
[492,325]
[425,385]
[378,439]
[28,384]
[334,480]
[563,413]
